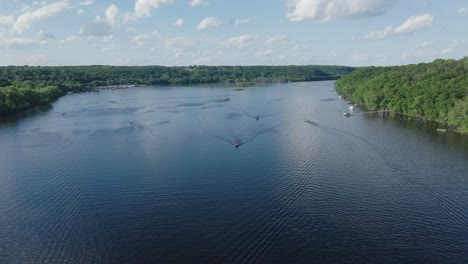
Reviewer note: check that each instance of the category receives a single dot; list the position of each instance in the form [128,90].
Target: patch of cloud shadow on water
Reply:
[114,111]
[175,111]
[42,139]
[212,106]
[100,133]
[123,130]
[191,104]
[160,123]
[81,131]
[233,116]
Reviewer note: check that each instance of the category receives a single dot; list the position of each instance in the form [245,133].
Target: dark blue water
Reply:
[151,175]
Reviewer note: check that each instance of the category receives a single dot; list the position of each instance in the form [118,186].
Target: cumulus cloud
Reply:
[179,45]
[102,27]
[97,28]
[323,10]
[179,22]
[240,41]
[86,3]
[18,43]
[141,39]
[25,20]
[110,47]
[80,12]
[411,25]
[131,31]
[450,48]
[69,39]
[7,20]
[143,8]
[271,40]
[425,44]
[380,34]
[112,13]
[194,3]
[43,36]
[415,23]
[209,22]
[462,10]
[242,21]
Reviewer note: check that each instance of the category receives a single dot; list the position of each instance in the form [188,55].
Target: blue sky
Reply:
[221,32]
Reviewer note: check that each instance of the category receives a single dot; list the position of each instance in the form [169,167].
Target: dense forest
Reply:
[432,91]
[23,87]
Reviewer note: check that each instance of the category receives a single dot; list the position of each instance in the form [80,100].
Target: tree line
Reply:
[436,91]
[23,87]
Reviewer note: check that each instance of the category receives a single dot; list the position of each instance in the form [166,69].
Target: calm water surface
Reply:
[151,175]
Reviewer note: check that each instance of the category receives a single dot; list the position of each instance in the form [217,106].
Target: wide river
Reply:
[152,175]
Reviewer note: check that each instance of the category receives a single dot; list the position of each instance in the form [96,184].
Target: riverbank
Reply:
[24,87]
[434,91]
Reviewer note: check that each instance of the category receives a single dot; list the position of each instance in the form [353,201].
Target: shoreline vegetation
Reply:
[435,91]
[27,87]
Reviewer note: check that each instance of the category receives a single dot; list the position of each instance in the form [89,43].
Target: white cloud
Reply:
[425,44]
[141,39]
[209,22]
[462,10]
[323,10]
[102,27]
[18,43]
[179,45]
[240,41]
[25,20]
[131,31]
[143,8]
[96,28]
[80,12]
[380,34]
[415,23]
[7,20]
[194,3]
[450,48]
[275,39]
[179,22]
[43,36]
[69,39]
[86,3]
[111,47]
[242,21]
[112,13]
[411,25]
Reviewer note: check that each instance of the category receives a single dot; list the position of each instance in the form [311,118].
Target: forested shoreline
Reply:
[429,91]
[24,87]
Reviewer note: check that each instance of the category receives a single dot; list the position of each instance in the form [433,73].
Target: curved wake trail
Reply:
[261,115]
[236,140]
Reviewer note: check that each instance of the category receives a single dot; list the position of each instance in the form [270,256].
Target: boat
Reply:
[442,130]
[347,114]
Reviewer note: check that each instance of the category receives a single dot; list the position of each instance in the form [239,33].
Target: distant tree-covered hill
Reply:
[435,91]
[23,87]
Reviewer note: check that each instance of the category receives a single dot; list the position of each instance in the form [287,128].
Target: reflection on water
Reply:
[151,175]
